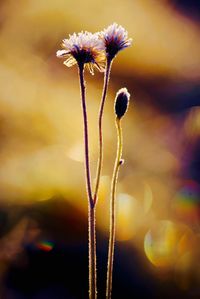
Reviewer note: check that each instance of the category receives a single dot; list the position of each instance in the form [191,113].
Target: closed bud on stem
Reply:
[121,102]
[121,162]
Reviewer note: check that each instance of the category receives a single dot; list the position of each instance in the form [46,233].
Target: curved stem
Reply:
[91,208]
[113,210]
[84,109]
[100,159]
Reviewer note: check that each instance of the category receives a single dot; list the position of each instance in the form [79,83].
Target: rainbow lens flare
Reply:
[45,245]
[186,203]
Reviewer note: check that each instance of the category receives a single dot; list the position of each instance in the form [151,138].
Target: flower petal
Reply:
[62,53]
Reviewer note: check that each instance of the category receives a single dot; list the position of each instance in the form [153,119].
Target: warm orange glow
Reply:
[41,133]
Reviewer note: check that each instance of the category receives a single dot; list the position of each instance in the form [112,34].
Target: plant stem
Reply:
[84,109]
[91,207]
[100,159]
[92,253]
[113,210]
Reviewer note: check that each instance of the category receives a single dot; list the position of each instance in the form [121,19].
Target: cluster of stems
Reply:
[93,197]
[96,50]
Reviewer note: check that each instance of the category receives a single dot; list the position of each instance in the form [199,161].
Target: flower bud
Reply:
[121,162]
[121,102]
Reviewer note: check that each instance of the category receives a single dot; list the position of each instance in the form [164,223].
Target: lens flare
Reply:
[45,245]
[186,203]
[167,241]
[160,244]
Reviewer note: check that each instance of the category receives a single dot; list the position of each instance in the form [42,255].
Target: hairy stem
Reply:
[113,210]
[86,141]
[100,159]
[91,208]
[92,253]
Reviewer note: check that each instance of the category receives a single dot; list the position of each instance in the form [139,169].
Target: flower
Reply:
[115,38]
[83,48]
[121,102]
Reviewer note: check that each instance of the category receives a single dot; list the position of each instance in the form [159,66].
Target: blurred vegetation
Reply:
[41,149]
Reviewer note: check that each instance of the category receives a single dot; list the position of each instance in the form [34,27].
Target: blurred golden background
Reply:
[41,153]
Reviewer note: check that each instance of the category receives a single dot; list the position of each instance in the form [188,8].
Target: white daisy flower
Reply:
[115,39]
[83,48]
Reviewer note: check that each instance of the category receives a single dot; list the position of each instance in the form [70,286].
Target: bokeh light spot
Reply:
[160,244]
[127,216]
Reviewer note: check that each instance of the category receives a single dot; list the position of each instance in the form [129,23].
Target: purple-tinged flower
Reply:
[83,48]
[115,39]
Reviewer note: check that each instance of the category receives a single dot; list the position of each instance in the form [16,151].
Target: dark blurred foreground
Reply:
[60,270]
